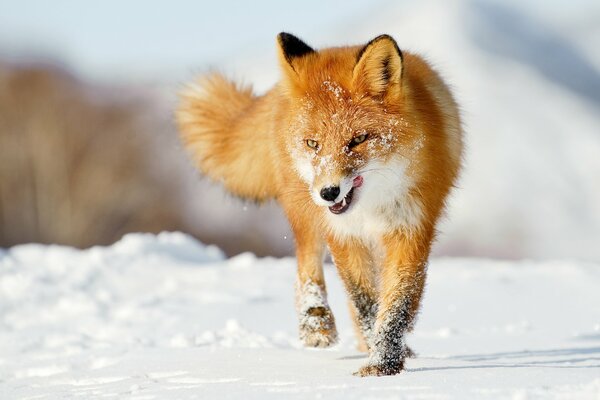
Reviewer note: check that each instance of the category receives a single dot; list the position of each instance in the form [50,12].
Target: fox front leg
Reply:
[402,282]
[316,321]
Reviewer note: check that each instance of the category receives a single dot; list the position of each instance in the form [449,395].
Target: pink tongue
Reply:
[357,182]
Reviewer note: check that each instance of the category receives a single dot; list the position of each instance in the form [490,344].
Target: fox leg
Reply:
[355,266]
[361,344]
[316,321]
[402,282]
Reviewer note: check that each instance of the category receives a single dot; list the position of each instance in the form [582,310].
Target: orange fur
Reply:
[303,136]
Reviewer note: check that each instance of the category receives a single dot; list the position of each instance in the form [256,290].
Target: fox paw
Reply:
[380,369]
[317,327]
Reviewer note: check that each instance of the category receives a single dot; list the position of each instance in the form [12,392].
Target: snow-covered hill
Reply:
[165,317]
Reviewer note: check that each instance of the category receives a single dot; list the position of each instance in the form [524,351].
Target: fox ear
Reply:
[378,66]
[291,49]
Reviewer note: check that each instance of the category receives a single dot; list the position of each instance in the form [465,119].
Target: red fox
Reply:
[360,146]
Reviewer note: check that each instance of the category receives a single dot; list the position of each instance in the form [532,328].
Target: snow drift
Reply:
[167,317]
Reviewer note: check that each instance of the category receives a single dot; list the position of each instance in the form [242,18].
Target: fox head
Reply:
[347,124]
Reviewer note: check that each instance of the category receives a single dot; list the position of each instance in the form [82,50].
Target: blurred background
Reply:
[89,151]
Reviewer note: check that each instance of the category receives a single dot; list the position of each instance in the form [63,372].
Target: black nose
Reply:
[330,193]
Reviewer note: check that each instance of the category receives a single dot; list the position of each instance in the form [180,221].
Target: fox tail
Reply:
[219,125]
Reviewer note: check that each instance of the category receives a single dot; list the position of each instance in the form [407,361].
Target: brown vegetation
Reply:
[76,166]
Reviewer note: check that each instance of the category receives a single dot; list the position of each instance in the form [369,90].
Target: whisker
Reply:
[381,171]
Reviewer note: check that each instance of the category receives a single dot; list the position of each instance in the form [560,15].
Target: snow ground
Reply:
[165,317]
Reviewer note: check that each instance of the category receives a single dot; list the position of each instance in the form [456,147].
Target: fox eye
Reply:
[313,144]
[357,140]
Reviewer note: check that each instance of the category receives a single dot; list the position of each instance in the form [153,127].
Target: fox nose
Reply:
[330,193]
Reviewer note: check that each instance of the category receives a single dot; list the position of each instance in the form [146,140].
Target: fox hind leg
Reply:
[361,340]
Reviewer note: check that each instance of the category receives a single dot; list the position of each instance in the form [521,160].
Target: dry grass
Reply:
[76,168]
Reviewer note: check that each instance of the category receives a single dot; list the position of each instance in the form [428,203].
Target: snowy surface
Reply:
[165,317]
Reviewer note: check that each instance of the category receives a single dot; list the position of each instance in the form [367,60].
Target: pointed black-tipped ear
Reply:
[290,48]
[378,66]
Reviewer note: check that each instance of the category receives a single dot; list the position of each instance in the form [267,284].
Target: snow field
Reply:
[159,317]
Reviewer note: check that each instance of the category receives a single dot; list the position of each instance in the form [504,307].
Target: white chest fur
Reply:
[382,204]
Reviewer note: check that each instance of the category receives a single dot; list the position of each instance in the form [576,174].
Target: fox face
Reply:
[348,138]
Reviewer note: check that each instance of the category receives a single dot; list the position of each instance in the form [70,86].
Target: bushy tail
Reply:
[225,129]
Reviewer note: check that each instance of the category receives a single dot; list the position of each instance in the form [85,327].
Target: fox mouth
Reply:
[343,205]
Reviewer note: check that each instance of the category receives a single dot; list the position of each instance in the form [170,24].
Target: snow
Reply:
[161,317]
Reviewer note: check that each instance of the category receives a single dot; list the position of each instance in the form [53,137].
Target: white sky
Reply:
[158,40]
[153,38]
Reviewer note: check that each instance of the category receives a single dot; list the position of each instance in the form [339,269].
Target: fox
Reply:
[361,146]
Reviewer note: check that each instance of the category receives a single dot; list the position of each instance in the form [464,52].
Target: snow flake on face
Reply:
[325,164]
[386,140]
[300,122]
[418,144]
[334,88]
